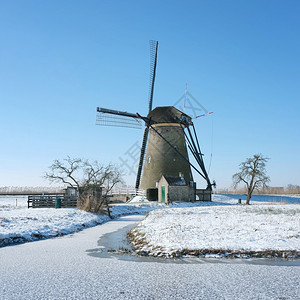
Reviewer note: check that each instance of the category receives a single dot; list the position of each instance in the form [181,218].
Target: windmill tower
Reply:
[166,152]
[166,140]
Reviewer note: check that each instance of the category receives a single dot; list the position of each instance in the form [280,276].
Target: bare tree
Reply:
[93,181]
[66,171]
[253,174]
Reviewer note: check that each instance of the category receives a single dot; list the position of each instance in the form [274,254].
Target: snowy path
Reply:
[63,268]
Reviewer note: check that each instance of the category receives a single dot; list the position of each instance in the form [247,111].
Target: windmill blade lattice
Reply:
[153,62]
[104,119]
[117,118]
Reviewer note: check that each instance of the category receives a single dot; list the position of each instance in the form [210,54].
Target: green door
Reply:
[163,194]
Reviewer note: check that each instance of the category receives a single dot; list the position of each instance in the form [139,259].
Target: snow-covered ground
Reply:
[18,224]
[236,229]
[221,224]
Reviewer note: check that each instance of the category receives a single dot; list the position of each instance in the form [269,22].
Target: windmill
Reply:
[168,135]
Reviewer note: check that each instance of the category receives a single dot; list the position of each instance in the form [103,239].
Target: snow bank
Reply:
[18,224]
[23,225]
[215,229]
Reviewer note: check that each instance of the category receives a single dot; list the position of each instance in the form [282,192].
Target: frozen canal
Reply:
[78,267]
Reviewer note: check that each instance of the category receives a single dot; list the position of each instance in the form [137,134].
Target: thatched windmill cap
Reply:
[166,114]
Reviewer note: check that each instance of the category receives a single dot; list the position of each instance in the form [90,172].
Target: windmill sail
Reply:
[153,57]
[142,155]
[153,62]
[110,117]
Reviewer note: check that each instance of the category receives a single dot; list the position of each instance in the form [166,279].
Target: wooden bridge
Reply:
[45,201]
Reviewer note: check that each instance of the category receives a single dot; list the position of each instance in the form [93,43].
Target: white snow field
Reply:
[226,229]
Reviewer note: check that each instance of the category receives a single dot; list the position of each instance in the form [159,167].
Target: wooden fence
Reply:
[42,201]
[204,195]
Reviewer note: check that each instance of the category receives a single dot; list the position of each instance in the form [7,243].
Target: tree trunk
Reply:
[107,207]
[84,200]
[248,198]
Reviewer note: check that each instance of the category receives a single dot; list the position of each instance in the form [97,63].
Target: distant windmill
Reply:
[167,135]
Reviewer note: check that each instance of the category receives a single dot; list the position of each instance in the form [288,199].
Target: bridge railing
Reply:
[46,201]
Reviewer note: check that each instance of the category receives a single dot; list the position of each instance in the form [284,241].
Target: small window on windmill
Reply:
[174,159]
[149,159]
[175,148]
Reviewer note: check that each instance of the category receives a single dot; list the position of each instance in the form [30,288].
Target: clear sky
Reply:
[59,60]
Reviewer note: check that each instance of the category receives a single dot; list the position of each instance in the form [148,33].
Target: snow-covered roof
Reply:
[175,181]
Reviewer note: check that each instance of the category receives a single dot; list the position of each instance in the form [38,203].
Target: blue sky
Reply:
[59,60]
